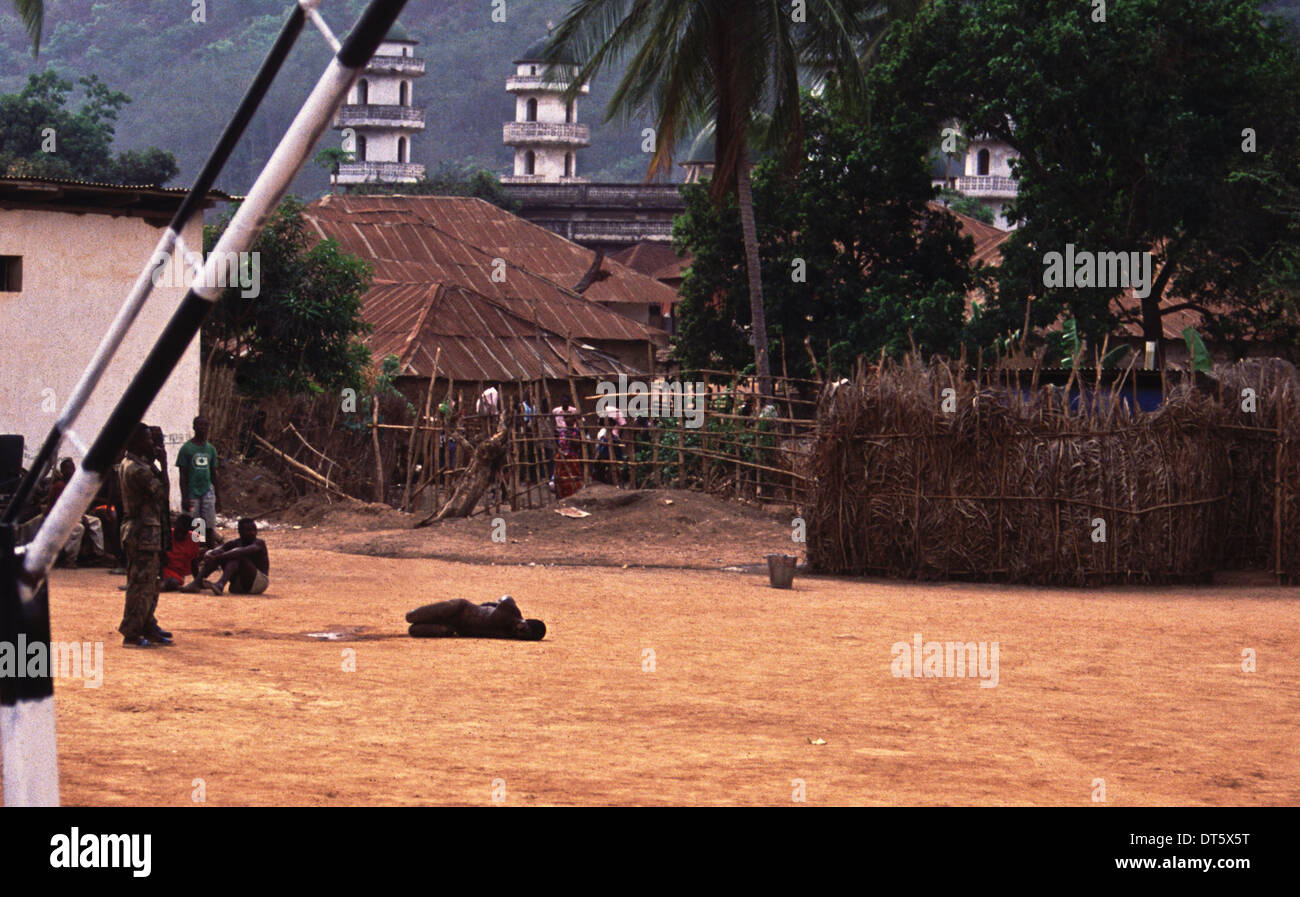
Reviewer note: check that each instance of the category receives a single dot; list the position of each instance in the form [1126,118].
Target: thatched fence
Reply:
[1054,485]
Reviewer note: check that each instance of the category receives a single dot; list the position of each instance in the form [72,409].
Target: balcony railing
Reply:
[536,192]
[365,172]
[536,180]
[380,116]
[610,231]
[518,83]
[522,133]
[409,65]
[987,185]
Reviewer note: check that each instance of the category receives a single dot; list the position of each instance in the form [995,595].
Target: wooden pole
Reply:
[410,445]
[379,460]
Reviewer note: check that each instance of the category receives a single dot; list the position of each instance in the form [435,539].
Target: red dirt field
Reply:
[1141,688]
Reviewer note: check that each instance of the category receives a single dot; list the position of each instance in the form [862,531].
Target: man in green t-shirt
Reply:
[197,461]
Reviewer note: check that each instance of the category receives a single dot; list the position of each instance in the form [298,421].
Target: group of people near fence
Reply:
[132,530]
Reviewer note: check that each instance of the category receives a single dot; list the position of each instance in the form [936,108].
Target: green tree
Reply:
[721,60]
[855,256]
[329,159]
[450,179]
[39,137]
[300,333]
[1168,127]
[966,205]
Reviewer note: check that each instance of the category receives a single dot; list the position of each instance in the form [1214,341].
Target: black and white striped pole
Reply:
[27,738]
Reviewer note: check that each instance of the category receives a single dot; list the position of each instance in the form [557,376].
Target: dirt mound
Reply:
[322,509]
[638,528]
[598,496]
[250,490]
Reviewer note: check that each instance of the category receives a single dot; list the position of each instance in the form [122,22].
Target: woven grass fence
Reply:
[1067,486]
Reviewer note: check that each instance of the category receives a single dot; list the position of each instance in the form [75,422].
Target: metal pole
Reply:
[27,717]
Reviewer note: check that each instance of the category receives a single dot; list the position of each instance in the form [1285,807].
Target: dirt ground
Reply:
[681,683]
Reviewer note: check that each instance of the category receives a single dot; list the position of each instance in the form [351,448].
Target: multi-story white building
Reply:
[382,117]
[988,177]
[545,134]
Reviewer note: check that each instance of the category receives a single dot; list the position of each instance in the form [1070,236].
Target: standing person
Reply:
[144,488]
[197,461]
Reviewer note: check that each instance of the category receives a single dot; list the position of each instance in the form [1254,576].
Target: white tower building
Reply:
[382,117]
[988,176]
[545,133]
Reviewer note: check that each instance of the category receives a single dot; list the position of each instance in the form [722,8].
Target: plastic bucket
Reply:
[780,570]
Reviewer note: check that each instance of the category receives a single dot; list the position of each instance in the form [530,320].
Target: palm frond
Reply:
[32,15]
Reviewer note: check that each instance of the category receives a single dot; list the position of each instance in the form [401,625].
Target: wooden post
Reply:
[654,454]
[1279,517]
[514,461]
[410,445]
[379,460]
[704,435]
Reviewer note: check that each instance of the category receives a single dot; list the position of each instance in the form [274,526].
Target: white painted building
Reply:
[988,177]
[69,254]
[382,117]
[545,134]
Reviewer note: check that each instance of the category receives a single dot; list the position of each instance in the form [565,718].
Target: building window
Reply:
[530,109]
[532,70]
[982,162]
[568,165]
[404,94]
[568,112]
[361,148]
[11,273]
[530,162]
[401,149]
[363,92]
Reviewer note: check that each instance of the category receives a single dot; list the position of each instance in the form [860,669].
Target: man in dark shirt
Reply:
[244,563]
[458,617]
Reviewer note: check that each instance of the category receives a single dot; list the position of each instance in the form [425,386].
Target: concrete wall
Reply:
[1000,156]
[548,162]
[77,269]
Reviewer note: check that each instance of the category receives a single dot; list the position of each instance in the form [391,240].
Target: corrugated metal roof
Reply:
[214,194]
[459,273]
[654,259]
[480,339]
[497,233]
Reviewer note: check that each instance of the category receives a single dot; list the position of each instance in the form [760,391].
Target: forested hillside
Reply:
[185,78]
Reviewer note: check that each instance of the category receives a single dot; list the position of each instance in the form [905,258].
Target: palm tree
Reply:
[728,61]
[32,14]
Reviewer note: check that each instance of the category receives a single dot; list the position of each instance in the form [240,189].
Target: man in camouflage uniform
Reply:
[144,489]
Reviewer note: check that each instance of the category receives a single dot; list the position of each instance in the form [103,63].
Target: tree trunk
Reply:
[488,459]
[758,315]
[1153,329]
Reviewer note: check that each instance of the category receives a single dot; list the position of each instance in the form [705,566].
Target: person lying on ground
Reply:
[458,617]
[182,561]
[243,562]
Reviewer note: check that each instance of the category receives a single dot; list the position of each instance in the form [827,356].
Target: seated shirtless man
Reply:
[458,617]
[243,563]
